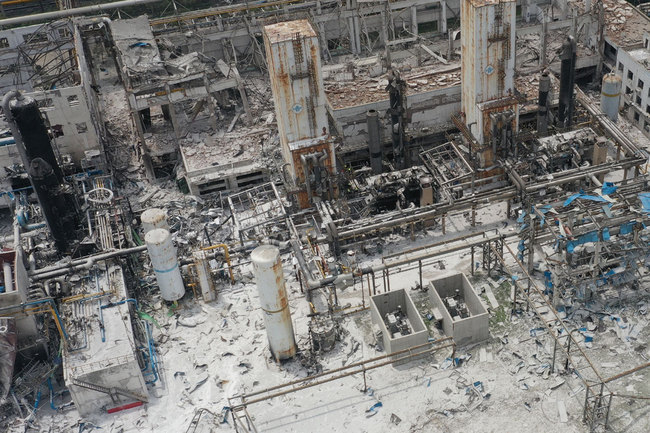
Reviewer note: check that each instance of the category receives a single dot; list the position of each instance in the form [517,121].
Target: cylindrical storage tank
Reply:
[267,268]
[374,141]
[35,137]
[154,218]
[165,264]
[610,95]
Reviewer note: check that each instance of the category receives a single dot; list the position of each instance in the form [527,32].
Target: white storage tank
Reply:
[610,95]
[267,267]
[165,264]
[154,218]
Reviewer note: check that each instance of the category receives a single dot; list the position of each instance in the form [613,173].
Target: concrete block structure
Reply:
[452,293]
[382,307]
[100,367]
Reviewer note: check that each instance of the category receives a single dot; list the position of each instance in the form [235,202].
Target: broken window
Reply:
[646,126]
[4,43]
[647,108]
[637,116]
[638,100]
[45,103]
[81,127]
[428,27]
[620,66]
[57,130]
[640,84]
[630,75]
[73,100]
[35,38]
[628,91]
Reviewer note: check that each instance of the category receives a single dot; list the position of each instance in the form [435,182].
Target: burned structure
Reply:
[208,209]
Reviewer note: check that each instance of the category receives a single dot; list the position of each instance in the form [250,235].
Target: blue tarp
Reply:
[587,237]
[609,188]
[645,201]
[606,234]
[587,197]
[548,282]
[627,227]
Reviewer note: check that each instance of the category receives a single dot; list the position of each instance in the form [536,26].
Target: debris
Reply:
[561,409]
[373,409]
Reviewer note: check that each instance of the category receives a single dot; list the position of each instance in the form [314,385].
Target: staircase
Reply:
[113,392]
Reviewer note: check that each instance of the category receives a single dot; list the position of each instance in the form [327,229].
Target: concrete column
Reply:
[542,56]
[142,150]
[213,109]
[172,112]
[414,20]
[443,16]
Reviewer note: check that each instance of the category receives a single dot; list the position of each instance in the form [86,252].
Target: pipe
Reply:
[362,364]
[13,126]
[23,217]
[92,9]
[423,255]
[226,253]
[76,265]
[8,277]
[520,184]
[627,373]
[316,158]
[50,307]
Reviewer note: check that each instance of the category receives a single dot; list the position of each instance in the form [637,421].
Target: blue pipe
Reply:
[52,405]
[23,217]
[38,399]
[113,304]
[150,344]
[153,356]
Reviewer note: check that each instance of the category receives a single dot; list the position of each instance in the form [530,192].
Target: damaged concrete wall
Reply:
[428,110]
[68,114]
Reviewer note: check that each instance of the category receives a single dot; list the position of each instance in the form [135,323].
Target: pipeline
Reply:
[6,102]
[51,308]
[345,278]
[153,357]
[428,347]
[92,9]
[77,265]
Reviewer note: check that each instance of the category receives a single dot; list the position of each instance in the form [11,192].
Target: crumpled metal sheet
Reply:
[8,342]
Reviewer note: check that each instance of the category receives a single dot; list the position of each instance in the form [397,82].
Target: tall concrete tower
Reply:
[293,56]
[487,71]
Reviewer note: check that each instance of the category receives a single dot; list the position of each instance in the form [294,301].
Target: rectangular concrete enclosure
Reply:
[451,293]
[385,304]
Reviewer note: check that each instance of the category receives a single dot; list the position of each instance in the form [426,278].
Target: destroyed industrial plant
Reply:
[325,216]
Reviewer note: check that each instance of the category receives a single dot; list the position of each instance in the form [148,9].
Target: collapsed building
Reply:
[182,190]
